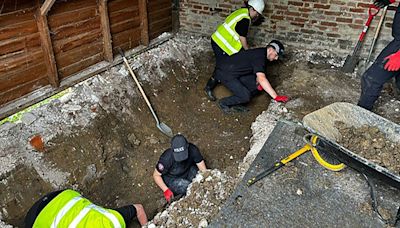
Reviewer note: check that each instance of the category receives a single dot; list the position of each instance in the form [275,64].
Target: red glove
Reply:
[283,99]
[259,87]
[168,195]
[393,63]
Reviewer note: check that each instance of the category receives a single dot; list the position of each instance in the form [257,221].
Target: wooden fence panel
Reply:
[76,35]
[39,50]
[21,55]
[124,24]
[160,17]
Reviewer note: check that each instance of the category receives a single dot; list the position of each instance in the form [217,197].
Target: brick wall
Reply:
[312,24]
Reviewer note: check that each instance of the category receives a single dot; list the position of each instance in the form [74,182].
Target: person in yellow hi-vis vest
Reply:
[67,208]
[230,36]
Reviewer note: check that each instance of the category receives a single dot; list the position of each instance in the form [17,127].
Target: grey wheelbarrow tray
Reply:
[322,123]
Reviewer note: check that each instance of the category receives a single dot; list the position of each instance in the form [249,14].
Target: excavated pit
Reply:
[101,139]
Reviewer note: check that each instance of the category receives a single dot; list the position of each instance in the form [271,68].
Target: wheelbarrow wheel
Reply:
[323,157]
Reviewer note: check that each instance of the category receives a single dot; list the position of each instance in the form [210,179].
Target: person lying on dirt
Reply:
[385,67]
[67,208]
[244,75]
[230,37]
[177,167]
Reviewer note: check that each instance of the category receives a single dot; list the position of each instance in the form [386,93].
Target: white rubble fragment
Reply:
[203,223]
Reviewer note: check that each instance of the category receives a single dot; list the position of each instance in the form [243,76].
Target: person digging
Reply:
[67,208]
[244,75]
[385,67]
[177,167]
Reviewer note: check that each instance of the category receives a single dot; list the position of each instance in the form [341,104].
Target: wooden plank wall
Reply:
[22,67]
[124,23]
[76,38]
[160,17]
[76,35]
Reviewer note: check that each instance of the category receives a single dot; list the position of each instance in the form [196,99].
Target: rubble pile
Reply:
[205,196]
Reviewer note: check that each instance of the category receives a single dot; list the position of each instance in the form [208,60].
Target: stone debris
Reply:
[204,197]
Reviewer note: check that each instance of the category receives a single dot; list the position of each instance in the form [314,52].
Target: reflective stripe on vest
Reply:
[70,209]
[86,210]
[65,210]
[226,37]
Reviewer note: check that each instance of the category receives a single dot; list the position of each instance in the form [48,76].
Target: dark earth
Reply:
[370,143]
[111,162]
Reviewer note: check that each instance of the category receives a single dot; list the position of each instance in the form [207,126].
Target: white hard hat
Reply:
[258,5]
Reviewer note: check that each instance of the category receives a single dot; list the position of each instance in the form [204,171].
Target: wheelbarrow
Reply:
[322,124]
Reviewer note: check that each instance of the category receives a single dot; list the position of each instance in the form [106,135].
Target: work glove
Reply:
[283,99]
[393,62]
[383,3]
[168,195]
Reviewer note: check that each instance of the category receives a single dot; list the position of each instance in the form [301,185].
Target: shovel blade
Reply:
[350,64]
[165,129]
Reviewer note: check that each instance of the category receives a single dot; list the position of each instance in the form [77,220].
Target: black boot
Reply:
[240,108]
[211,83]
[224,108]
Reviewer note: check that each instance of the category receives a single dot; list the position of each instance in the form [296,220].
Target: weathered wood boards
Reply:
[42,44]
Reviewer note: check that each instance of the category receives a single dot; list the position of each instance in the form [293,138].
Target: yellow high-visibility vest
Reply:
[70,209]
[226,36]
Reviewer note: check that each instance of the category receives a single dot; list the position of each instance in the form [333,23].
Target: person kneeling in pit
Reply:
[67,208]
[244,75]
[177,167]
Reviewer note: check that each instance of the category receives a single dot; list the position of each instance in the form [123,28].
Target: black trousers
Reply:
[179,185]
[243,89]
[127,212]
[376,76]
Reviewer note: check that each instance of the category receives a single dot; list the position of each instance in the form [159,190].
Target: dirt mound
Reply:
[370,143]
[205,195]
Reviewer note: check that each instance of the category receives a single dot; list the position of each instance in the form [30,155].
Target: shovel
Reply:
[378,29]
[352,60]
[161,126]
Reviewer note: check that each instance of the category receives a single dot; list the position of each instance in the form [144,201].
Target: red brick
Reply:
[333,35]
[197,7]
[336,2]
[321,6]
[322,28]
[344,20]
[297,24]
[295,3]
[330,24]
[281,7]
[293,14]
[277,17]
[305,10]
[363,5]
[308,31]
[357,10]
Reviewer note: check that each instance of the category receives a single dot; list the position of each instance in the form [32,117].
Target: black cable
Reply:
[374,202]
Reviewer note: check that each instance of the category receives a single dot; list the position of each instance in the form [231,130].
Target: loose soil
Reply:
[370,143]
[111,160]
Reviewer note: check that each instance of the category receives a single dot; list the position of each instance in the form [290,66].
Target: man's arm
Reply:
[201,165]
[159,181]
[243,40]
[140,214]
[263,81]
